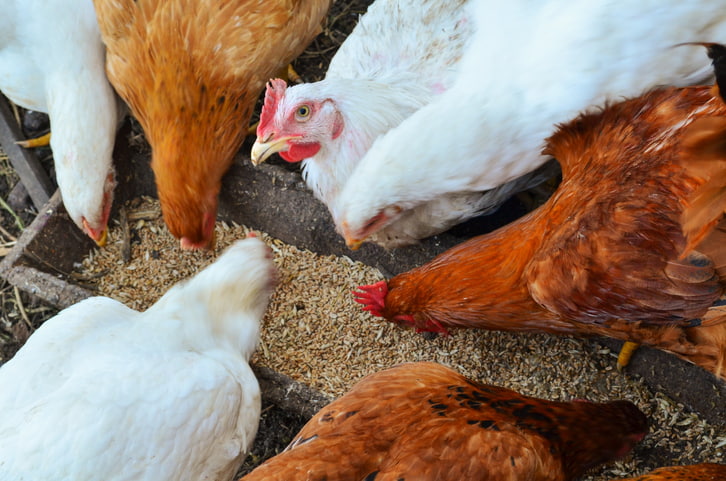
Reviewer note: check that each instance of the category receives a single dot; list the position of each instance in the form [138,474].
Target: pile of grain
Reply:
[315,333]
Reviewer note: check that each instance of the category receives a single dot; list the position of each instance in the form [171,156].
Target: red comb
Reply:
[373,297]
[274,93]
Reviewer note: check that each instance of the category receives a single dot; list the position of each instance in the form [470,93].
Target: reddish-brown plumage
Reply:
[694,472]
[423,421]
[607,254]
[191,72]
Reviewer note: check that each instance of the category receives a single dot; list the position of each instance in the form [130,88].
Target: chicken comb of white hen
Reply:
[274,92]
[161,395]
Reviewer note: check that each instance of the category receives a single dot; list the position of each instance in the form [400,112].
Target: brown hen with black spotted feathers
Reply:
[423,421]
[694,472]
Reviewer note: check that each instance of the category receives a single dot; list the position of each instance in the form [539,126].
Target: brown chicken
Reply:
[695,472]
[423,421]
[631,245]
[191,72]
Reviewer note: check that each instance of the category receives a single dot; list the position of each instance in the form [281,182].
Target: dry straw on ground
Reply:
[315,333]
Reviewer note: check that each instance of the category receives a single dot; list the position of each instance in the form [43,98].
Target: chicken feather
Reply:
[191,71]
[529,65]
[693,472]
[607,253]
[401,55]
[52,61]
[423,421]
[163,395]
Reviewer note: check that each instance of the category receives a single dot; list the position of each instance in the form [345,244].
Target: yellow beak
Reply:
[262,150]
[352,243]
[102,239]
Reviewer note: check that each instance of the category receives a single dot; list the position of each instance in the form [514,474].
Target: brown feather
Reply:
[606,254]
[694,472]
[424,421]
[191,72]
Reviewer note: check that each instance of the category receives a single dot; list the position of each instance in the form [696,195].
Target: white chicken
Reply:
[52,61]
[530,65]
[401,55]
[101,391]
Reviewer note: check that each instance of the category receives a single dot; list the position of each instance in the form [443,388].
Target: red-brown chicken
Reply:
[694,472]
[191,71]
[627,247]
[423,421]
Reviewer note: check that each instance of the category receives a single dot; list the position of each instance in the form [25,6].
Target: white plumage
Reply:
[52,60]
[530,65]
[102,391]
[400,56]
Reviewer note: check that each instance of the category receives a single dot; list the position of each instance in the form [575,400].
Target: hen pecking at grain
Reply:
[191,71]
[694,472]
[101,390]
[630,246]
[401,56]
[52,61]
[423,421]
[529,65]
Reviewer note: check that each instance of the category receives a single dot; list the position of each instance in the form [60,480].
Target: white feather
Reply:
[52,60]
[530,65]
[401,55]
[103,391]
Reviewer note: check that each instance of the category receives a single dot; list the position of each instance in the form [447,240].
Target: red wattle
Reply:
[299,152]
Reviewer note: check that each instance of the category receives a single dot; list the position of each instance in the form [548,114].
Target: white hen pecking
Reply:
[52,61]
[103,391]
[400,56]
[530,65]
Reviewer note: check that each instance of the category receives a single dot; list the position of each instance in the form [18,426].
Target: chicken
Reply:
[101,390]
[191,72]
[695,472]
[530,65]
[401,56]
[627,247]
[52,61]
[423,421]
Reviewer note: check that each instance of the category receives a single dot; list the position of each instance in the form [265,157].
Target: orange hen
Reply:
[694,472]
[423,421]
[191,71]
[627,247]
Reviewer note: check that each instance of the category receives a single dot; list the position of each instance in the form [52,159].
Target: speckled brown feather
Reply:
[423,421]
[191,71]
[694,472]
[607,254]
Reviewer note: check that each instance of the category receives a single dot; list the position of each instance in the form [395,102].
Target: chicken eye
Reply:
[303,112]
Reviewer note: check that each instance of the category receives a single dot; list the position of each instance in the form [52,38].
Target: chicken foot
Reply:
[41,141]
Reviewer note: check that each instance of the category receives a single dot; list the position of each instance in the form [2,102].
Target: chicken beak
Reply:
[352,243]
[102,239]
[99,237]
[262,150]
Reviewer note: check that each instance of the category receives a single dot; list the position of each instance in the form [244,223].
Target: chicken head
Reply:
[293,125]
